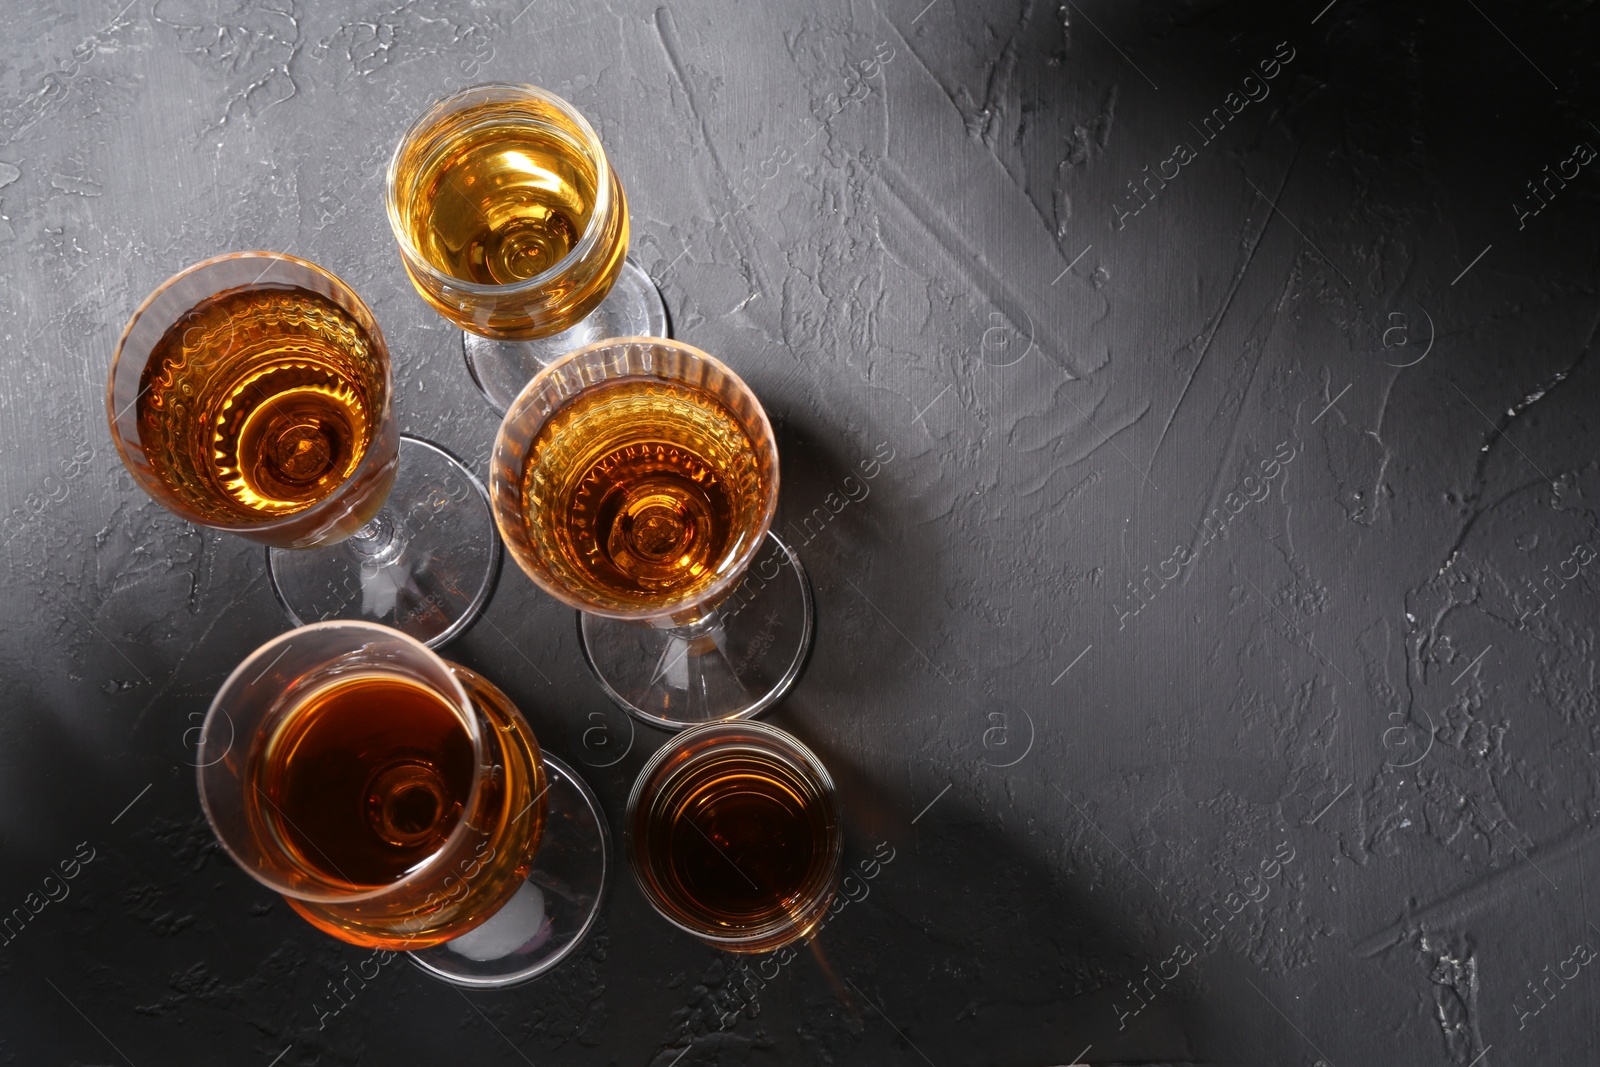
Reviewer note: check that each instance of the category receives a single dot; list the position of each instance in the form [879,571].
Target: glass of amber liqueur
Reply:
[401,802]
[513,225]
[253,393]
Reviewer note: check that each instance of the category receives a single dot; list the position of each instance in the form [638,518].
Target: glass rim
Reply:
[736,570]
[446,849]
[768,736]
[140,469]
[413,257]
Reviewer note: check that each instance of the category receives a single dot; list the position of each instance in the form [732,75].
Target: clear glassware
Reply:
[253,393]
[400,802]
[636,480]
[513,225]
[732,833]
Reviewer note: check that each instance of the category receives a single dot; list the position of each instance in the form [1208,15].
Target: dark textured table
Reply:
[1208,661]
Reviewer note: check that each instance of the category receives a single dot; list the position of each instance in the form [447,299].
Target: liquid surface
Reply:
[737,840]
[365,779]
[260,402]
[639,493]
[501,201]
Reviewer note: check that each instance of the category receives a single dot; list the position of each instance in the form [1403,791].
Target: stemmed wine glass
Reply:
[733,835]
[400,802]
[513,225]
[636,480]
[253,393]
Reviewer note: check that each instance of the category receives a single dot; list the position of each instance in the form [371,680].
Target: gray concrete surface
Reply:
[1214,653]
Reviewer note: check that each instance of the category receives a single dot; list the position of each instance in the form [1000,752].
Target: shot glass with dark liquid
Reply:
[400,802]
[253,393]
[732,832]
[512,223]
[636,480]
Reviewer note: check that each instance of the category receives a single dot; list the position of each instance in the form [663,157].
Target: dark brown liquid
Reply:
[366,778]
[737,841]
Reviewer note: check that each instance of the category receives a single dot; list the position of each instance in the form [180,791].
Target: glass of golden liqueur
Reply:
[732,833]
[513,225]
[400,802]
[636,480]
[253,393]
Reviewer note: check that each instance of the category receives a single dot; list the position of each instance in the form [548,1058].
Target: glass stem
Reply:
[691,635]
[695,634]
[379,541]
[701,623]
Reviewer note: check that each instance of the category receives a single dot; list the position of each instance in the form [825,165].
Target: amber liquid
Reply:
[500,201]
[260,402]
[640,493]
[364,784]
[364,780]
[738,841]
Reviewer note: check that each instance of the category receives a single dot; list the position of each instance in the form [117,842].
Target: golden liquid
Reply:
[500,201]
[640,493]
[739,841]
[260,402]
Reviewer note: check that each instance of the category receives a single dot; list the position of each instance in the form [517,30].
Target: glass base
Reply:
[734,664]
[550,914]
[424,565]
[500,369]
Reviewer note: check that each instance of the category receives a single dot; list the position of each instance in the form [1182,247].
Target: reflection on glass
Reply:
[636,480]
[513,225]
[253,393]
[398,802]
[733,836]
